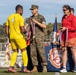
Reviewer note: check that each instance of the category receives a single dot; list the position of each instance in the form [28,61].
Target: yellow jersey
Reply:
[14,22]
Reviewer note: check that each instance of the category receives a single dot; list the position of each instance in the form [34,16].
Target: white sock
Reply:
[64,67]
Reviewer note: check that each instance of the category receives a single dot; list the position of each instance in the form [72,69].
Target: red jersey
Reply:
[70,23]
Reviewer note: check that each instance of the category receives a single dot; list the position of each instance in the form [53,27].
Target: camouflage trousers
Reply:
[37,50]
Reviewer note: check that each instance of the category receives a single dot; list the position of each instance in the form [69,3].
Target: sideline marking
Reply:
[57,73]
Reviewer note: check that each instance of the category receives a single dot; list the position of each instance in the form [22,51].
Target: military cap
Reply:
[33,7]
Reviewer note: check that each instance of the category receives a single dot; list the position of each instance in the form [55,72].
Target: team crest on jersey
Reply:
[55,57]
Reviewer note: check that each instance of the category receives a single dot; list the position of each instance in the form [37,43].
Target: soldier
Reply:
[37,24]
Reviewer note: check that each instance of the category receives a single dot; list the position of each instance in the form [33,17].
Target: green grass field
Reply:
[5,72]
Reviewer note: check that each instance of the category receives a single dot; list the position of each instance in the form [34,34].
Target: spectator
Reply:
[72,11]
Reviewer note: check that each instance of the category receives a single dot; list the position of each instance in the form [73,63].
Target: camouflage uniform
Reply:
[37,44]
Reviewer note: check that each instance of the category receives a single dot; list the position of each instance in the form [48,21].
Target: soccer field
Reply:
[5,72]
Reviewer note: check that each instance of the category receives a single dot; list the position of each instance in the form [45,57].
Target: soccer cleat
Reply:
[63,70]
[12,70]
[26,70]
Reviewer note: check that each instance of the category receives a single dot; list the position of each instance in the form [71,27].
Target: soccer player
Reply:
[14,30]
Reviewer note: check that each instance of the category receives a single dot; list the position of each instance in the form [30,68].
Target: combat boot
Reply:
[34,69]
[44,69]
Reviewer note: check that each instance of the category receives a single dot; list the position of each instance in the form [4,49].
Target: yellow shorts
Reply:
[18,43]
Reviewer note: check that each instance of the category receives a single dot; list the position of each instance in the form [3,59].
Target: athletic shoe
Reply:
[63,70]
[74,70]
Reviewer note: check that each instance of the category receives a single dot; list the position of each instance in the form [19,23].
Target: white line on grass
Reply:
[57,73]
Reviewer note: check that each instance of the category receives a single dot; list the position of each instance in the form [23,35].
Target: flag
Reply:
[55,43]
[8,51]
[65,37]
[31,30]
[28,38]
[54,38]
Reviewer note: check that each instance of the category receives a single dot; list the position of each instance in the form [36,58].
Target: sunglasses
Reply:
[64,10]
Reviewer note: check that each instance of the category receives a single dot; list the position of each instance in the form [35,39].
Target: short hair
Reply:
[72,9]
[67,7]
[18,6]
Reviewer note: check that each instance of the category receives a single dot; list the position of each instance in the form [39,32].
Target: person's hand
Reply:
[57,34]
[63,29]
[25,26]
[34,20]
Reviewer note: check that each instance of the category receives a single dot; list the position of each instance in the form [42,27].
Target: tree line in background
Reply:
[48,32]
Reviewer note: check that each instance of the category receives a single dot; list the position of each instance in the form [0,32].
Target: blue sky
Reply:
[47,8]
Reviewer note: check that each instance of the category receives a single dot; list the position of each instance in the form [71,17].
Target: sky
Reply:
[48,8]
